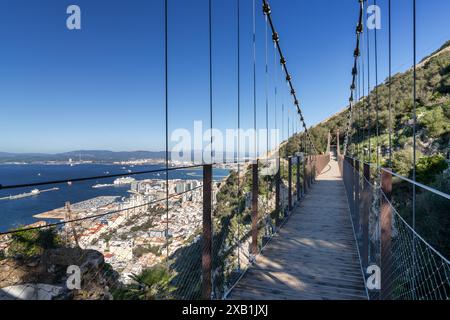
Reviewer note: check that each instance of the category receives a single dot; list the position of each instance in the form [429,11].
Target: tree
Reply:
[428,168]
[32,243]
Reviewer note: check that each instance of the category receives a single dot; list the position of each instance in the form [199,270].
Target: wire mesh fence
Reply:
[416,270]
[151,244]
[144,246]
[391,220]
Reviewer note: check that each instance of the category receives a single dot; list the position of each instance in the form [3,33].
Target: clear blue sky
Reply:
[103,87]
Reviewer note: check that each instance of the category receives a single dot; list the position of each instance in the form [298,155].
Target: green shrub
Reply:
[402,162]
[31,243]
[436,122]
[151,284]
[428,168]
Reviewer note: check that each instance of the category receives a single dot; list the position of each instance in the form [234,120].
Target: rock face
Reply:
[44,277]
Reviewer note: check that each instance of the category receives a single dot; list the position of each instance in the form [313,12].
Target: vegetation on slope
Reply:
[433,140]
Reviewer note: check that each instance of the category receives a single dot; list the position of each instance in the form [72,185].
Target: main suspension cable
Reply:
[356,55]
[276,38]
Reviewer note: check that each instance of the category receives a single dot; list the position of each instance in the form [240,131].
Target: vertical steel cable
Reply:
[238,84]
[166,66]
[390,89]
[267,83]
[289,123]
[377,107]
[239,119]
[211,99]
[254,79]
[369,117]
[211,80]
[359,111]
[275,68]
[357,118]
[414,109]
[363,90]
[414,133]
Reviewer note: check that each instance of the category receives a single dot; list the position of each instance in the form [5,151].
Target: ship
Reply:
[124,180]
[101,186]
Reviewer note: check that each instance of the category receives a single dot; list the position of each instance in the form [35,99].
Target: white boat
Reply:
[124,180]
[101,186]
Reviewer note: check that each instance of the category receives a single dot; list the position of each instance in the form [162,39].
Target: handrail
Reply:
[418,184]
[97,216]
[26,185]
[118,175]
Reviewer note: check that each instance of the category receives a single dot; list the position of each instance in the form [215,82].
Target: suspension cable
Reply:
[211,81]
[356,55]
[359,110]
[414,109]
[376,92]
[275,70]
[414,133]
[238,14]
[369,115]
[389,87]
[363,69]
[267,84]
[268,12]
[254,79]
[166,75]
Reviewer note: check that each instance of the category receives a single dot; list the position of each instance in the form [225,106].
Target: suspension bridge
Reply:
[305,225]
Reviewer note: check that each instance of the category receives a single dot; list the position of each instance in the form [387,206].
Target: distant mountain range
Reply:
[96,156]
[84,155]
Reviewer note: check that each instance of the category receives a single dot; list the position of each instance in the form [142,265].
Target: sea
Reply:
[19,212]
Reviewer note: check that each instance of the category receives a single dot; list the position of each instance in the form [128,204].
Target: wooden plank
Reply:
[314,257]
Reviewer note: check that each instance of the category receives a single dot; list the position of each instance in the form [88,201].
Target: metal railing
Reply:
[201,258]
[411,267]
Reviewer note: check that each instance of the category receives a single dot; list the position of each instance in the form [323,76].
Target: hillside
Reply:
[433,136]
[433,117]
[85,155]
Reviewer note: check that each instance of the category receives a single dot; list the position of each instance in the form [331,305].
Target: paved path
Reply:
[314,257]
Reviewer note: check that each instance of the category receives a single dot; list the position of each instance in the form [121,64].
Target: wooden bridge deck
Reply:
[314,257]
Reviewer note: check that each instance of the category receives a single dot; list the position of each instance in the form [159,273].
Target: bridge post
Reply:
[309,171]
[356,182]
[349,180]
[255,194]
[338,149]
[207,233]
[365,217]
[386,234]
[277,187]
[299,192]
[314,167]
[329,143]
[290,183]
[305,176]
